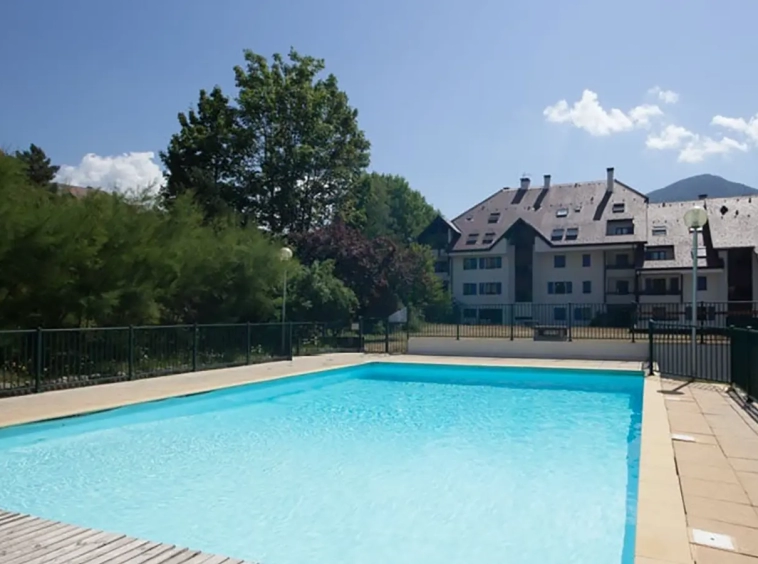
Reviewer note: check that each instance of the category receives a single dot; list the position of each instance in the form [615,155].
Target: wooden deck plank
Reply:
[25,539]
[73,552]
[36,551]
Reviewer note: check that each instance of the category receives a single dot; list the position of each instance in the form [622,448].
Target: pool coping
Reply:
[661,530]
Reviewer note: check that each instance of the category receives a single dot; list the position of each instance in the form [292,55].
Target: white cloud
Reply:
[748,128]
[665,96]
[128,171]
[589,115]
[692,147]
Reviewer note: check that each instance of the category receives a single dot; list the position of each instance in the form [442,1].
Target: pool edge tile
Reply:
[656,541]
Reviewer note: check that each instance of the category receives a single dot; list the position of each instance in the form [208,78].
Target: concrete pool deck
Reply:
[699,452]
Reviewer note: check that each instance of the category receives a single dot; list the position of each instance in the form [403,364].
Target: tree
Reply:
[385,205]
[317,295]
[286,155]
[383,274]
[202,158]
[38,166]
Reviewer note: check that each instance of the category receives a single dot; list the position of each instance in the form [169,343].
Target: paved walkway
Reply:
[716,449]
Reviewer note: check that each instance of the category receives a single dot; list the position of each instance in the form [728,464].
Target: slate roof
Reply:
[588,208]
[670,216]
[733,222]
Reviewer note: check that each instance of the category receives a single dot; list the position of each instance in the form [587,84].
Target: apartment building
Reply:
[592,243]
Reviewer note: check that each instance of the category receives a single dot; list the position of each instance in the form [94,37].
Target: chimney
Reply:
[524,183]
[547,181]
[609,183]
[702,196]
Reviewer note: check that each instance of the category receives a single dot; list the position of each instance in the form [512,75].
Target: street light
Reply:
[285,254]
[695,218]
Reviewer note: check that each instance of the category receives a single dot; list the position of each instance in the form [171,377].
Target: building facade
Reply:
[590,249]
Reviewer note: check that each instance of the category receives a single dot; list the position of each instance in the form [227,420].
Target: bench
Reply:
[550,333]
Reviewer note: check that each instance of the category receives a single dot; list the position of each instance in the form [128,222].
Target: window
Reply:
[618,208]
[587,287]
[562,212]
[620,227]
[659,231]
[586,260]
[582,313]
[622,287]
[472,238]
[556,235]
[488,238]
[559,261]
[440,267]
[702,284]
[494,217]
[469,289]
[655,286]
[572,233]
[701,252]
[490,288]
[659,253]
[674,285]
[469,264]
[559,288]
[490,263]
[559,313]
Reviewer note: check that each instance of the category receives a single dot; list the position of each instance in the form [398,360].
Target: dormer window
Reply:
[494,217]
[618,207]
[488,238]
[659,231]
[562,212]
[620,227]
[557,234]
[472,238]
[572,233]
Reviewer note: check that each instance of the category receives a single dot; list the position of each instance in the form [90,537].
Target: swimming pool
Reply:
[384,462]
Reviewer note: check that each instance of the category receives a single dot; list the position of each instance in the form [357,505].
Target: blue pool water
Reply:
[384,463]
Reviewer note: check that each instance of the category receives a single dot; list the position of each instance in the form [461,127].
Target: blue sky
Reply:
[459,97]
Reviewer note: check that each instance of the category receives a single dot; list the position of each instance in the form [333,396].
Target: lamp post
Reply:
[695,218]
[285,254]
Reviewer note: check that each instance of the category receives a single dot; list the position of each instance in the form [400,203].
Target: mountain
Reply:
[693,187]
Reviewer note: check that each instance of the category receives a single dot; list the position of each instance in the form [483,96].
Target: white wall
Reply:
[525,348]
[574,272]
[461,276]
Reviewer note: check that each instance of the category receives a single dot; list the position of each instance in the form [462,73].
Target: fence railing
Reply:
[727,355]
[48,359]
[595,321]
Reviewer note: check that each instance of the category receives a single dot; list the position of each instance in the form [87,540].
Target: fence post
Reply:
[650,328]
[633,321]
[289,345]
[248,343]
[131,352]
[570,318]
[194,347]
[361,344]
[512,320]
[458,324]
[38,362]
[386,336]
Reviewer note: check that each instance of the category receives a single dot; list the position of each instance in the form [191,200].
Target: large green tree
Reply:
[39,169]
[286,154]
[385,205]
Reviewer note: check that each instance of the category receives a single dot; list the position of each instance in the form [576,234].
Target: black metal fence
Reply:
[577,321]
[727,355]
[48,359]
